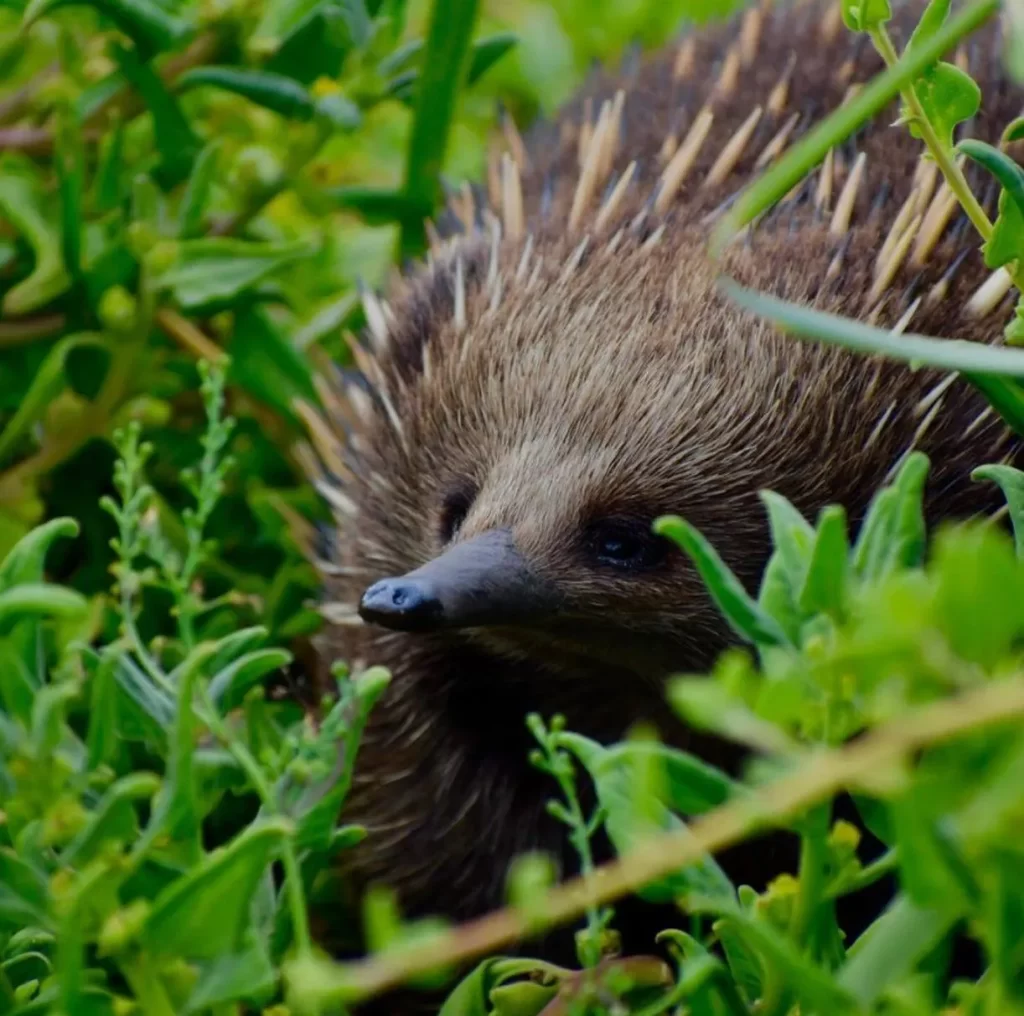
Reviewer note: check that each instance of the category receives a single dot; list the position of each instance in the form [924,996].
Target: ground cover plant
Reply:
[167,819]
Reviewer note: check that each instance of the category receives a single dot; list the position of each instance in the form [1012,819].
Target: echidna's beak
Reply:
[481,581]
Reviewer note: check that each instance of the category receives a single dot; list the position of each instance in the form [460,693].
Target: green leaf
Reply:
[272,91]
[228,687]
[109,181]
[377,206]
[1007,241]
[267,365]
[247,975]
[947,94]
[824,588]
[175,140]
[219,268]
[1014,131]
[113,820]
[39,599]
[777,597]
[443,69]
[69,163]
[49,381]
[149,25]
[811,149]
[744,615]
[176,811]
[317,45]
[933,874]
[1005,395]
[792,536]
[21,205]
[26,560]
[1011,483]
[634,812]
[204,914]
[472,995]
[865,15]
[197,193]
[103,736]
[814,987]
[486,52]
[23,893]
[890,949]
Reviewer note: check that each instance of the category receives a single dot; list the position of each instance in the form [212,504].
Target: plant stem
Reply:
[942,155]
[145,985]
[813,859]
[265,792]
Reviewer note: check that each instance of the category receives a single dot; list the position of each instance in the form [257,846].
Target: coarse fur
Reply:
[565,357]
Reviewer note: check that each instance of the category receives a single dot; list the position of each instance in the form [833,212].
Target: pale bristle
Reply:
[887,271]
[823,193]
[750,35]
[512,198]
[682,162]
[683,66]
[459,315]
[779,94]
[729,76]
[612,202]
[989,294]
[375,319]
[733,150]
[774,147]
[847,198]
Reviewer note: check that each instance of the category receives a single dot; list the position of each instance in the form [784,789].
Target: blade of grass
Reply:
[811,149]
[444,68]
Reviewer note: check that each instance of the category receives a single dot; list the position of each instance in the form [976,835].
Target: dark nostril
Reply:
[401,603]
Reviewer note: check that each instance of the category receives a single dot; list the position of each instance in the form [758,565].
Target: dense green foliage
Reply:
[180,182]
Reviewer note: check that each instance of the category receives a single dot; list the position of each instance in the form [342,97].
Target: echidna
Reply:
[563,370]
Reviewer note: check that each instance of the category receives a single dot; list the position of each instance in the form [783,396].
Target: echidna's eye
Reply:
[454,510]
[626,543]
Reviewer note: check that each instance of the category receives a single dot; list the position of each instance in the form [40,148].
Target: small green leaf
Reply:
[26,560]
[1007,241]
[103,736]
[197,193]
[890,948]
[175,140]
[228,687]
[109,180]
[472,995]
[315,47]
[219,268]
[21,204]
[39,599]
[23,894]
[1011,483]
[486,52]
[272,91]
[824,588]
[204,914]
[1014,131]
[744,615]
[865,15]
[792,536]
[378,207]
[947,94]
[50,379]
[113,820]
[69,162]
[247,975]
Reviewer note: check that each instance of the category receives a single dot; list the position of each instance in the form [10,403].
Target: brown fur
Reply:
[626,384]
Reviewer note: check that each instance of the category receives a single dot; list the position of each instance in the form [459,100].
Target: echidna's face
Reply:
[516,505]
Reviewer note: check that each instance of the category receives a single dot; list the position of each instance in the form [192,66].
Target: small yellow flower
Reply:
[324,86]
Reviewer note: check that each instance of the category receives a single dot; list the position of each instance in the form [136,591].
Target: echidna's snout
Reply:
[484,580]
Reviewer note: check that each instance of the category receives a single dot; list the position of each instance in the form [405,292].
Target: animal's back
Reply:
[566,348]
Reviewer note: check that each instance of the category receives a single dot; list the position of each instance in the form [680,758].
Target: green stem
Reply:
[942,154]
[145,985]
[265,792]
[813,862]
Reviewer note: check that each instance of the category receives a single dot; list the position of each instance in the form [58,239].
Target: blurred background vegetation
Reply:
[178,179]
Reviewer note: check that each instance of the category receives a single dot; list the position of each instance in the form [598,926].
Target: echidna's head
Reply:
[510,490]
